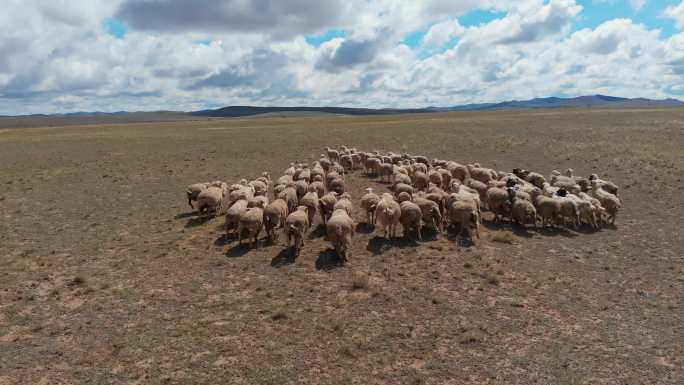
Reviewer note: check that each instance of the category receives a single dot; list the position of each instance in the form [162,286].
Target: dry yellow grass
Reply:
[105,276]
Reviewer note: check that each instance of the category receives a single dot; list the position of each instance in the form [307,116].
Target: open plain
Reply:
[107,277]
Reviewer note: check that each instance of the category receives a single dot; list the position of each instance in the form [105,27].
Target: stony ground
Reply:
[107,277]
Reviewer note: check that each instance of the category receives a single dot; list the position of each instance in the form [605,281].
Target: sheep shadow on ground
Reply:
[286,256]
[329,260]
[318,232]
[378,245]
[461,240]
[364,228]
[198,221]
[523,231]
[556,231]
[430,234]
[185,215]
[225,239]
[238,250]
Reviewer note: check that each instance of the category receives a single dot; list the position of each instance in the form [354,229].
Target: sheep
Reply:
[481,174]
[430,212]
[338,186]
[547,208]
[347,162]
[265,178]
[536,179]
[274,218]
[310,200]
[596,207]
[446,177]
[252,220]
[325,163]
[606,185]
[296,225]
[242,192]
[411,218]
[334,155]
[326,204]
[422,160]
[480,187]
[284,180]
[388,213]
[497,199]
[401,187]
[305,174]
[259,187]
[278,189]
[317,171]
[458,171]
[418,167]
[318,187]
[290,170]
[289,194]
[522,211]
[368,203]
[587,211]
[435,177]
[356,161]
[339,231]
[331,176]
[210,200]
[301,187]
[403,197]
[258,200]
[464,212]
[386,170]
[568,208]
[420,180]
[566,183]
[336,167]
[371,166]
[609,202]
[233,215]
[344,202]
[193,190]
[398,177]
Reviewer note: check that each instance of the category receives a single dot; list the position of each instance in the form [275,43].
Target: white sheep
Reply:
[369,202]
[274,218]
[387,214]
[233,215]
[252,221]
[411,218]
[210,200]
[339,231]
[296,225]
[609,202]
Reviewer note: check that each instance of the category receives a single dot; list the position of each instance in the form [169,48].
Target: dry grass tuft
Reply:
[360,281]
[503,237]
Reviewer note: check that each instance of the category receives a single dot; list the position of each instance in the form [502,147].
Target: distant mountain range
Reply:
[553,102]
[593,101]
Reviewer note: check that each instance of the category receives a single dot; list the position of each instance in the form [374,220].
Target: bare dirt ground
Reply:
[106,277]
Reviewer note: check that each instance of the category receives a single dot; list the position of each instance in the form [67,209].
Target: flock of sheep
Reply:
[435,193]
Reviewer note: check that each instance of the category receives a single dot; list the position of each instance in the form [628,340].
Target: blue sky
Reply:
[111,55]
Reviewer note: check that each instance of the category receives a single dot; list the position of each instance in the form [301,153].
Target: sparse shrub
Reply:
[76,281]
[360,281]
[503,237]
[279,316]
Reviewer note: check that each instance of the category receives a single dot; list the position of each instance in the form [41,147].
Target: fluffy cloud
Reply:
[279,17]
[58,56]
[677,14]
[441,33]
